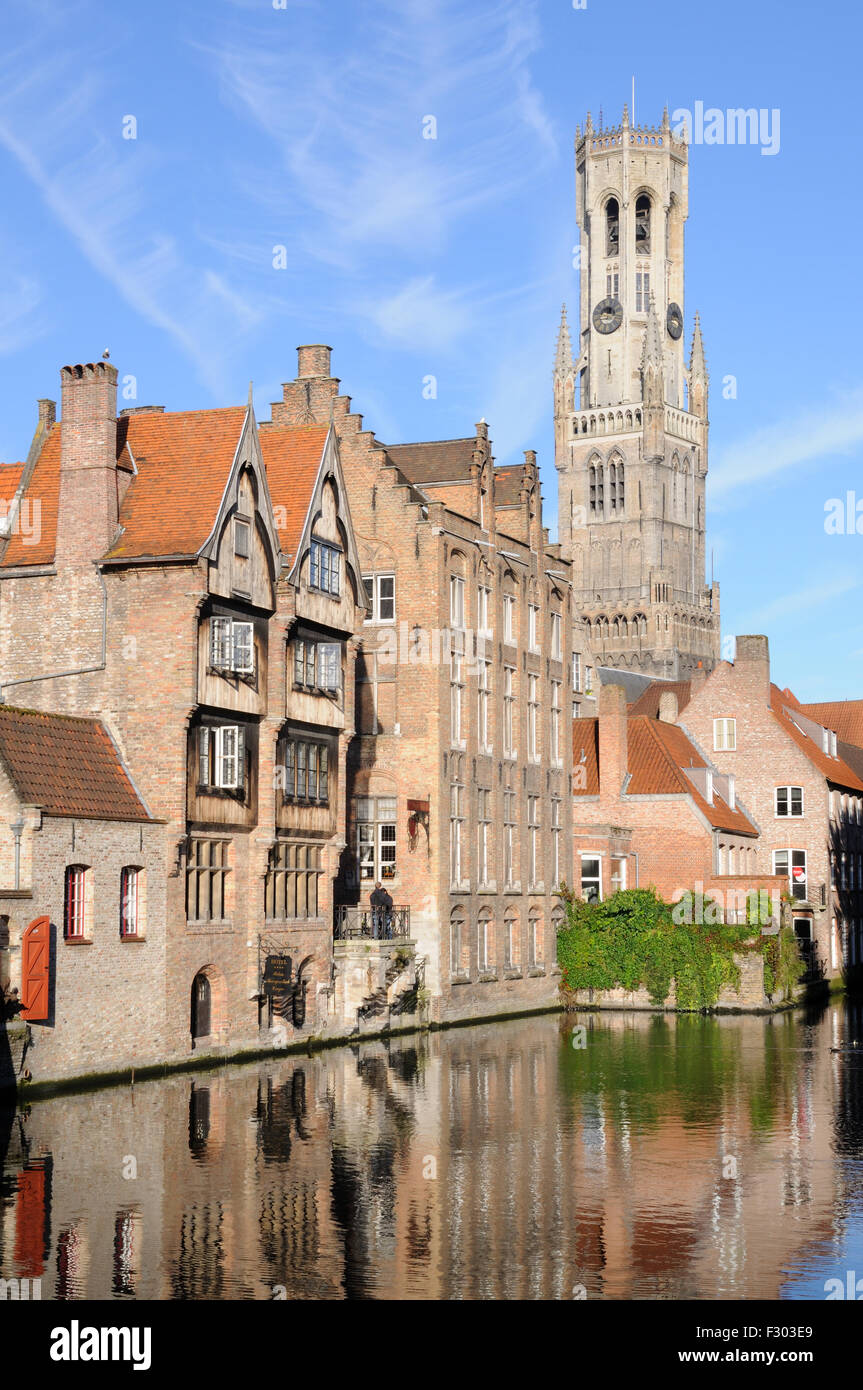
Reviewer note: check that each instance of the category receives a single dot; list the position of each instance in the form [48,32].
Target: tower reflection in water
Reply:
[665,1158]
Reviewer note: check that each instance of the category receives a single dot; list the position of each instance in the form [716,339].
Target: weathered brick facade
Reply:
[439,519]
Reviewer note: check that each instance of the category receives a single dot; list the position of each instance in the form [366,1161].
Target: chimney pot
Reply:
[47,412]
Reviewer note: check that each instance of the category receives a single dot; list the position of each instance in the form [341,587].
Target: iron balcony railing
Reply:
[353,921]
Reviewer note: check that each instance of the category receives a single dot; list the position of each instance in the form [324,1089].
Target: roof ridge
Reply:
[51,714]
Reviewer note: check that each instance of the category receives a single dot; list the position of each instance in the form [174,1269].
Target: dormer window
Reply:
[242,534]
[325,568]
[317,665]
[232,646]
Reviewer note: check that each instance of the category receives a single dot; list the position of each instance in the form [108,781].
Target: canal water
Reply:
[598,1156]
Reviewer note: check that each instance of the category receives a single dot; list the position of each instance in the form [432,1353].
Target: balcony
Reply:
[354,922]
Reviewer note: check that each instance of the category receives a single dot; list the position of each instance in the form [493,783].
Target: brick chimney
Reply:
[87,518]
[668,707]
[613,719]
[313,359]
[752,664]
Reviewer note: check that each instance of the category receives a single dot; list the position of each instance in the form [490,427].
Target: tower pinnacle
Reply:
[563,355]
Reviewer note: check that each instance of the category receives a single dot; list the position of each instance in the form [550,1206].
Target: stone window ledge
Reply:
[514,888]
[512,972]
[487,888]
[486,977]
[77,941]
[535,971]
[463,978]
[216,925]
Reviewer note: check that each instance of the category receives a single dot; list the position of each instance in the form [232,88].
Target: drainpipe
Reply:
[17,829]
[76,671]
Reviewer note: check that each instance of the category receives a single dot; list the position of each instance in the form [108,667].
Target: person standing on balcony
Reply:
[382,913]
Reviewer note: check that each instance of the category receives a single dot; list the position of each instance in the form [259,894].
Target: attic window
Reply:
[241,539]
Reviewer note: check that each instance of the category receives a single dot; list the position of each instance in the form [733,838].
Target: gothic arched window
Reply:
[642,225]
[612,227]
[600,491]
[620,497]
[612,486]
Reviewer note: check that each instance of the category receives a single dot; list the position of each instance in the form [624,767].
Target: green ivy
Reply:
[632,940]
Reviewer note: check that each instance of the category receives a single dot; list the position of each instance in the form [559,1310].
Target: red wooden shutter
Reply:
[35,969]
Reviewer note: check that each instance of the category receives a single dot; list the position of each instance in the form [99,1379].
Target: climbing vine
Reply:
[632,940]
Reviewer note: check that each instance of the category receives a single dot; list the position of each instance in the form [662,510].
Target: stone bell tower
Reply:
[630,415]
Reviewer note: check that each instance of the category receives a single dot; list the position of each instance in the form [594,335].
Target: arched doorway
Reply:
[202,1006]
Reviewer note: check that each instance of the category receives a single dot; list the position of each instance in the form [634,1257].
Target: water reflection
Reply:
[665,1158]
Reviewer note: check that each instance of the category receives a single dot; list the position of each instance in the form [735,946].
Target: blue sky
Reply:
[302,127]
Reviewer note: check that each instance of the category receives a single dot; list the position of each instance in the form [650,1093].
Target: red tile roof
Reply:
[844,717]
[44,490]
[585,753]
[292,458]
[183,459]
[507,484]
[648,700]
[10,477]
[66,765]
[834,769]
[657,755]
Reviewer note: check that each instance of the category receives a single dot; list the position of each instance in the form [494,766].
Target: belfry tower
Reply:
[630,416]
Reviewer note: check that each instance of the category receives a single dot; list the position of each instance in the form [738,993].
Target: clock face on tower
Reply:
[608,315]
[674,320]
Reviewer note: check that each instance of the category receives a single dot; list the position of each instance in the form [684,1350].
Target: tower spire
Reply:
[651,352]
[563,354]
[697,362]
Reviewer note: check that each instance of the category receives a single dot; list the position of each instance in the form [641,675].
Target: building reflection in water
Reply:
[667,1158]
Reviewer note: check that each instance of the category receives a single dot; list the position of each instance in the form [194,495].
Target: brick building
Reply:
[804,796]
[195,588]
[651,811]
[459,771]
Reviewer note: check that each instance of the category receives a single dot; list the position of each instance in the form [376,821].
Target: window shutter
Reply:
[220,643]
[226,756]
[244,648]
[204,757]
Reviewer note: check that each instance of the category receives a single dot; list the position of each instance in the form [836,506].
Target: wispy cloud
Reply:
[20,297]
[833,429]
[813,596]
[348,129]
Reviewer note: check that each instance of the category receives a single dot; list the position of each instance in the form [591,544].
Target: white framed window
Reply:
[232,646]
[483,836]
[75,902]
[510,942]
[484,700]
[533,832]
[456,601]
[221,757]
[456,944]
[381,594]
[131,904]
[555,723]
[510,844]
[576,672]
[588,680]
[375,820]
[642,291]
[532,718]
[483,617]
[509,617]
[534,939]
[456,691]
[508,712]
[555,841]
[724,734]
[456,831]
[791,863]
[533,627]
[591,878]
[618,873]
[325,568]
[482,943]
[789,801]
[556,637]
